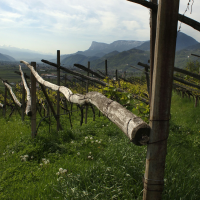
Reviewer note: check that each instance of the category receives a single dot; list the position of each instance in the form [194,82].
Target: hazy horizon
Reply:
[71,26]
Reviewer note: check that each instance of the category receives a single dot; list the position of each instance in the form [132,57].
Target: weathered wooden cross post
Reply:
[166,33]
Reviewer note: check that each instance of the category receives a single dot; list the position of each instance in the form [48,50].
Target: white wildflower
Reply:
[91,138]
[90,153]
[78,153]
[13,152]
[92,141]
[99,142]
[4,154]
[32,157]
[72,142]
[60,170]
[89,157]
[41,164]
[86,138]
[64,171]
[96,141]
[58,173]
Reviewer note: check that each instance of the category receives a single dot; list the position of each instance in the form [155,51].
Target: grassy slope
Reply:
[117,167]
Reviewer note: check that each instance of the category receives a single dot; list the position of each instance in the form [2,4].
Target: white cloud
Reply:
[73,24]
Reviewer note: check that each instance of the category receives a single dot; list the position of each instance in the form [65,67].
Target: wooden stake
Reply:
[23,102]
[5,97]
[153,20]
[166,32]
[106,68]
[87,85]
[33,102]
[58,93]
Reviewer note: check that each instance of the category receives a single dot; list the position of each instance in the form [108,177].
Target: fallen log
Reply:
[134,127]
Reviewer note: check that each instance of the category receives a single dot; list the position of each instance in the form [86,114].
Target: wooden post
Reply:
[166,32]
[106,68]
[87,85]
[33,102]
[147,78]
[65,103]
[50,105]
[23,102]
[153,20]
[58,93]
[5,97]
[116,77]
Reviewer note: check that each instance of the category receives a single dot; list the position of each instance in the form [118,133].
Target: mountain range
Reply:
[22,54]
[119,54]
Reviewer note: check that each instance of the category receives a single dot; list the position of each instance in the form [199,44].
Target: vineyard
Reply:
[49,152]
[88,158]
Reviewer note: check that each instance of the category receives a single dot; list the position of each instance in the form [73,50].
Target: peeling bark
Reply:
[28,104]
[12,94]
[134,127]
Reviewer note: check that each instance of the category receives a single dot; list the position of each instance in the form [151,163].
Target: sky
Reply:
[71,25]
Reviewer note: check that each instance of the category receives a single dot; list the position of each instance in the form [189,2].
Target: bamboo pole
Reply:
[33,102]
[166,32]
[58,93]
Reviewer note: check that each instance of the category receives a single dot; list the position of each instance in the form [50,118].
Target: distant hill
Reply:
[78,59]
[184,55]
[24,54]
[115,59]
[4,57]
[183,42]
[122,60]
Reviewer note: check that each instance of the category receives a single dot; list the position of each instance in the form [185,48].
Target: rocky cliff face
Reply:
[120,45]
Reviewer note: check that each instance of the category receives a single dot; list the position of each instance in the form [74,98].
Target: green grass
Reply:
[100,161]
